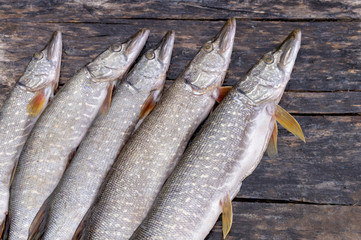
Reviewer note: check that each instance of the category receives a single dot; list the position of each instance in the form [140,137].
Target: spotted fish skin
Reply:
[60,129]
[228,148]
[152,152]
[80,183]
[41,76]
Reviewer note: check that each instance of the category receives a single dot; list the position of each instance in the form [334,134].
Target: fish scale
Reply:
[205,165]
[42,74]
[227,149]
[60,129]
[152,152]
[73,196]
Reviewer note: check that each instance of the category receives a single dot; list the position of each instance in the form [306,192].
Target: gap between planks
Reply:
[195,19]
[281,201]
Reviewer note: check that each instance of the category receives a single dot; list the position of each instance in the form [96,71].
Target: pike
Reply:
[133,100]
[22,109]
[152,152]
[227,149]
[61,128]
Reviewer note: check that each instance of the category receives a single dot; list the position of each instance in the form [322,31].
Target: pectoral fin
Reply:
[272,150]
[288,122]
[108,100]
[37,227]
[222,93]
[36,104]
[148,105]
[227,216]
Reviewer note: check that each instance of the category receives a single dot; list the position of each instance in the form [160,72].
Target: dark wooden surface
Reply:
[310,191]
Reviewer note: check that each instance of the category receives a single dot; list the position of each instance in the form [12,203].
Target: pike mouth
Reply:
[225,36]
[289,48]
[166,46]
[136,41]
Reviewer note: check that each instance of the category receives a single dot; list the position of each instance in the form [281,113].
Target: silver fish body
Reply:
[228,148]
[75,193]
[60,129]
[152,152]
[41,77]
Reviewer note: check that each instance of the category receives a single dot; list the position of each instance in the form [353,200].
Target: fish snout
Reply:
[225,37]
[165,47]
[54,47]
[136,42]
[289,49]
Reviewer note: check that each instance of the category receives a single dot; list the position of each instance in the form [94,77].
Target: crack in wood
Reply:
[281,201]
[100,21]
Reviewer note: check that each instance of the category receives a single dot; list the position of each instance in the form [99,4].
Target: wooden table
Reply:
[312,190]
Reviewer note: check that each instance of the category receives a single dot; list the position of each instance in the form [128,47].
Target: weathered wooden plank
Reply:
[322,102]
[292,221]
[344,102]
[325,169]
[328,60]
[296,102]
[111,11]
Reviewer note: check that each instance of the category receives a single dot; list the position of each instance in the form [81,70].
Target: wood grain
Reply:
[112,11]
[322,177]
[329,59]
[322,102]
[254,221]
[325,169]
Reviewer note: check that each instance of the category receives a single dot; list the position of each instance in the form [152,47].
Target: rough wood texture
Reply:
[310,191]
[322,102]
[328,60]
[326,169]
[256,221]
[111,11]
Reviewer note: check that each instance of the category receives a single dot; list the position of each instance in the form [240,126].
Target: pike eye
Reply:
[208,47]
[150,55]
[268,58]
[116,47]
[38,55]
